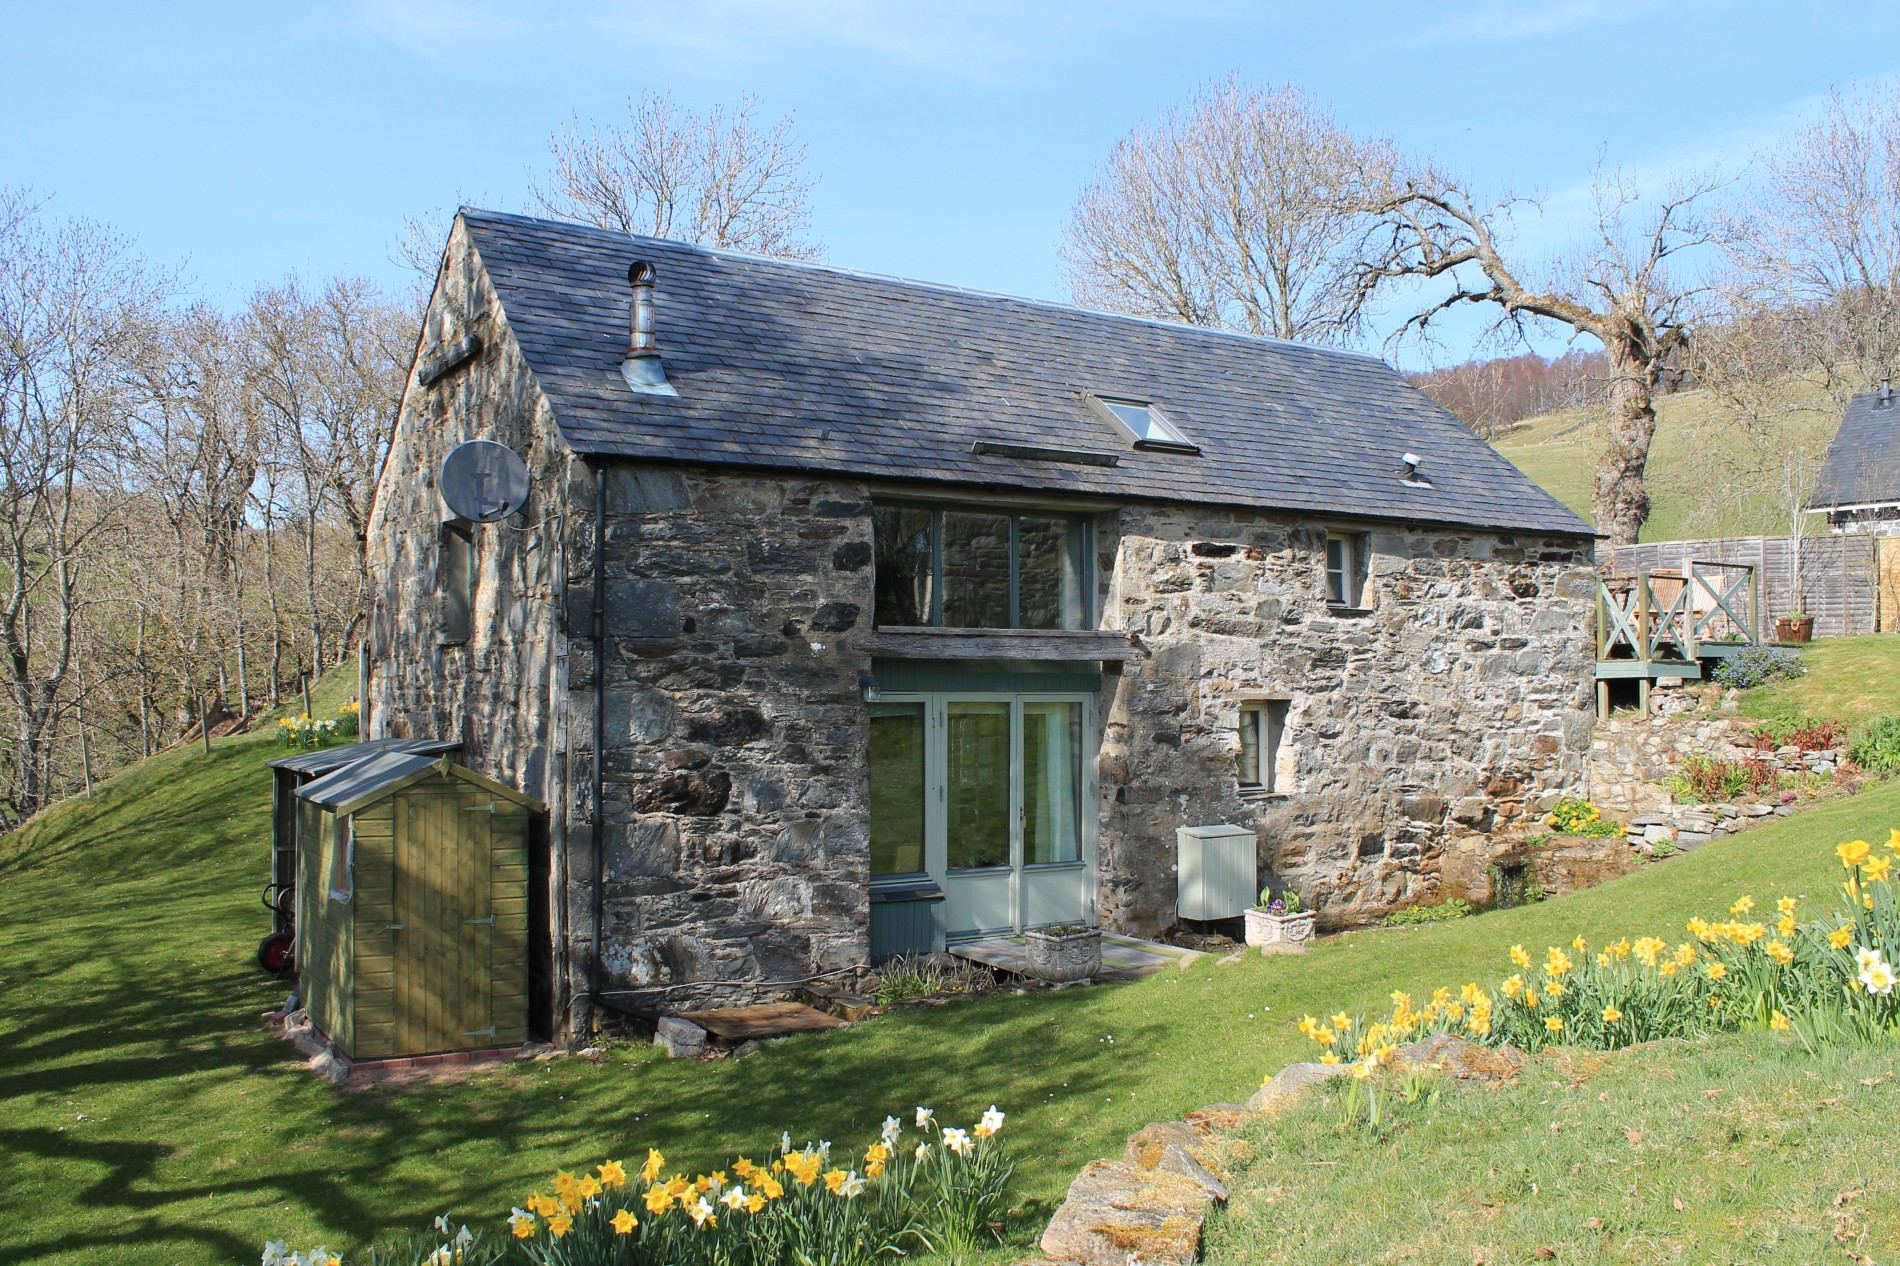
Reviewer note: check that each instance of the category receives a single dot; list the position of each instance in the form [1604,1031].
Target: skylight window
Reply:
[1144,423]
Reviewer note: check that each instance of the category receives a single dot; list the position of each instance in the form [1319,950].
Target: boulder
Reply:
[1176,1147]
[681,1037]
[1115,1214]
[1289,1083]
[1460,1057]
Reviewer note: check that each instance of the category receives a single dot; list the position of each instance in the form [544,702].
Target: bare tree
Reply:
[1626,284]
[1228,211]
[75,306]
[716,179]
[1816,249]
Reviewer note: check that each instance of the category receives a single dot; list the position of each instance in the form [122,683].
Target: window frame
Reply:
[1085,527]
[1269,718]
[1180,443]
[1355,570]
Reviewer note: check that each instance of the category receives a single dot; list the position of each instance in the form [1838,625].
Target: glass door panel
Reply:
[898,781]
[977,791]
[1052,782]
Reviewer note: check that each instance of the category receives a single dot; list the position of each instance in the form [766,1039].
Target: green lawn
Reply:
[1737,1149]
[1851,679]
[147,1118]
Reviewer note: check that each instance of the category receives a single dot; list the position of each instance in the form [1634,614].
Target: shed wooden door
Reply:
[442,978]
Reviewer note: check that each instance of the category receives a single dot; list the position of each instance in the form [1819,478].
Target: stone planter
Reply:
[1279,933]
[1061,958]
[1794,628]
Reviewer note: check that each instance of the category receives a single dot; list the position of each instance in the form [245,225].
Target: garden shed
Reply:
[413,895]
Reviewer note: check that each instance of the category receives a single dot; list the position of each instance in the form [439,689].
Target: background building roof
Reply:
[1863,464]
[812,368]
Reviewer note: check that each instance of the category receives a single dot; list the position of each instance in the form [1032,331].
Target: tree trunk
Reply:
[1620,501]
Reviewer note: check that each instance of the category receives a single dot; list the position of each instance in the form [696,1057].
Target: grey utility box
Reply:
[1215,869]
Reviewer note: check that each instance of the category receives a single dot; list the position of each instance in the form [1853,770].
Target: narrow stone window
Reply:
[1262,726]
[455,583]
[1347,557]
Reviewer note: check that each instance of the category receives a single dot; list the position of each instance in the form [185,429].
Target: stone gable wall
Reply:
[1444,711]
[736,753]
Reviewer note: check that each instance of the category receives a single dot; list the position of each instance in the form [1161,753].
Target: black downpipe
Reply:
[600,731]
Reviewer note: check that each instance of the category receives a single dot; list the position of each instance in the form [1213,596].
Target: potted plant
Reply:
[1064,953]
[1281,923]
[1796,626]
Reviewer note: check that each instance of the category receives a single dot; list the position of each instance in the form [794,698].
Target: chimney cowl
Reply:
[640,365]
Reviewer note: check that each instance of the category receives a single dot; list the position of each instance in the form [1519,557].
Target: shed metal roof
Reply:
[366,781]
[324,759]
[812,368]
[1863,464]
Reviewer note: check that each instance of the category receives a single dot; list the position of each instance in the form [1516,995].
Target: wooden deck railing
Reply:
[1673,615]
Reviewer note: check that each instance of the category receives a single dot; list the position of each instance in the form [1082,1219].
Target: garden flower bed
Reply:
[941,1193]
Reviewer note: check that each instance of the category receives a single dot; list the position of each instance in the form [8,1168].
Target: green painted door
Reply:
[440,968]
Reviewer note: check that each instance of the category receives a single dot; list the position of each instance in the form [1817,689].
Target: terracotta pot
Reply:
[1794,628]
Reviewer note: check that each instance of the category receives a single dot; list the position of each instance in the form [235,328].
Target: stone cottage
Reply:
[848,612]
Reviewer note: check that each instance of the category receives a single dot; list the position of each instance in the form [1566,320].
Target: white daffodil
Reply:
[700,1211]
[824,1149]
[1866,958]
[275,1253]
[735,1197]
[518,1218]
[1878,978]
[892,1128]
[442,1223]
[991,1123]
[464,1237]
[958,1141]
[852,1186]
[441,1257]
[923,1151]
[924,1117]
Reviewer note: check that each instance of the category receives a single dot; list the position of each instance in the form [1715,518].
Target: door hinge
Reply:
[487,1032]
[394,927]
[490,921]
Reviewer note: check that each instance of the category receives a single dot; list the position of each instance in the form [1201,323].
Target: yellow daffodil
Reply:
[1779,951]
[659,1200]
[1893,840]
[1330,1057]
[1784,926]
[1554,1023]
[1778,1021]
[1878,869]
[1580,945]
[1716,971]
[655,1163]
[1520,956]
[1512,987]
[1743,905]
[1666,968]
[1611,1015]
[624,1222]
[1342,1021]
[1841,937]
[589,1187]
[1554,989]
[560,1224]
[613,1175]
[804,1167]
[773,1188]
[1786,905]
[521,1222]
[1852,853]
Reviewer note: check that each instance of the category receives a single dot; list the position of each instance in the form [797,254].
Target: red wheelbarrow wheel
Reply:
[276,952]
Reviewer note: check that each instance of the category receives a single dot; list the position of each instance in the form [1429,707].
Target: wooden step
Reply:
[768,1019]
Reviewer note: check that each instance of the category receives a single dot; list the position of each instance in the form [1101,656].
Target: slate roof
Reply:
[1863,464]
[813,368]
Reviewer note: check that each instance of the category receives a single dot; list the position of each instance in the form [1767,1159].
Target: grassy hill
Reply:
[1559,451]
[147,1117]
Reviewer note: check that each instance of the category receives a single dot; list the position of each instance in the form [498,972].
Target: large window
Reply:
[980,569]
[897,788]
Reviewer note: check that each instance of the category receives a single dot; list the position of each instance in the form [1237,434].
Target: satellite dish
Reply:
[483,481]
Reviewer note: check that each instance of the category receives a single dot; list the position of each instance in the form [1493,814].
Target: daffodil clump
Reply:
[304,731]
[937,1191]
[1827,978]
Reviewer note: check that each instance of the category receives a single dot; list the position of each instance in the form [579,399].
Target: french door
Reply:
[993,797]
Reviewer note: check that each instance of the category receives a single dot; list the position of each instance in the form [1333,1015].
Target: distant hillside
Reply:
[1559,451]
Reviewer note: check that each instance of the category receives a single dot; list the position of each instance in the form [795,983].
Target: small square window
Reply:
[1347,557]
[1144,423]
[1262,726]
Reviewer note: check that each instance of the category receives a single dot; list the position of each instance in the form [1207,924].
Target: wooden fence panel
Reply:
[1839,575]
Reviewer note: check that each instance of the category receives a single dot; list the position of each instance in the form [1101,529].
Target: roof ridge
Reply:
[723,252]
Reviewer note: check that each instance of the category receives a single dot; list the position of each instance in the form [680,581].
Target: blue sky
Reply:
[246,140]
